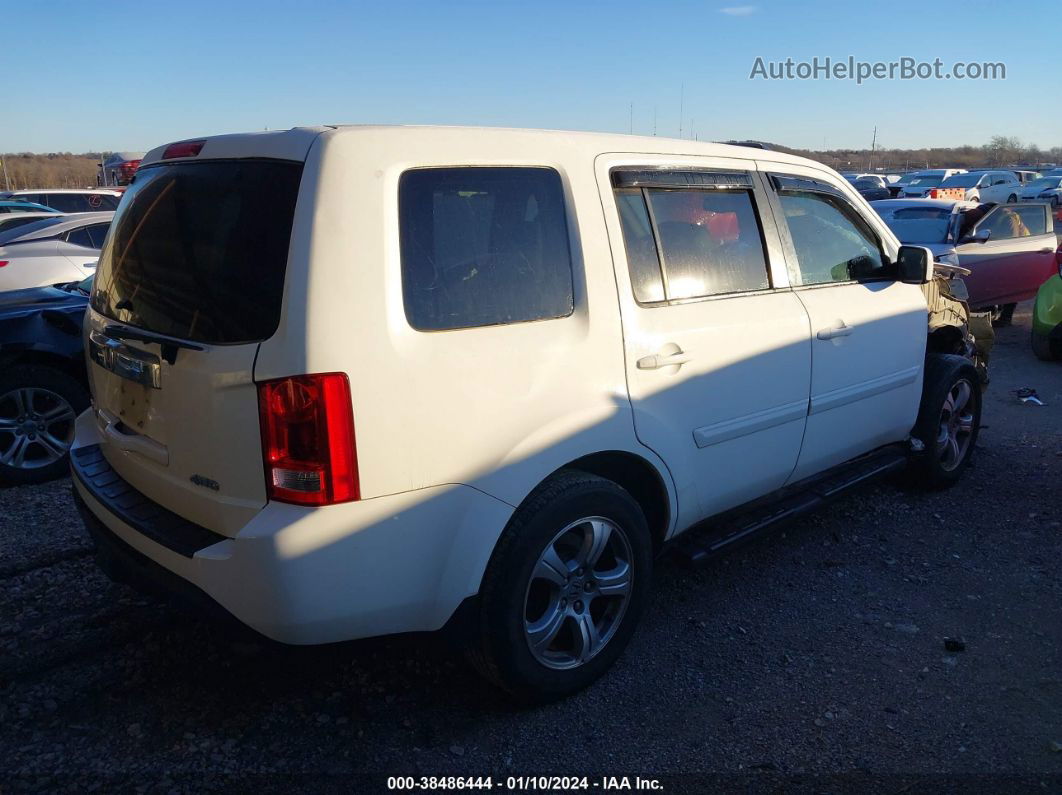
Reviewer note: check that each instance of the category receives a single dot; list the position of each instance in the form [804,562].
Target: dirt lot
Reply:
[814,659]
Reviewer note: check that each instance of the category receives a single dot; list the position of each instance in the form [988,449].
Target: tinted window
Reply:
[199,250]
[483,246]
[80,202]
[80,237]
[36,224]
[832,242]
[12,221]
[89,236]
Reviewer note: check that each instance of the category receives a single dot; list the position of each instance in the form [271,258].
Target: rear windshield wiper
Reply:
[169,344]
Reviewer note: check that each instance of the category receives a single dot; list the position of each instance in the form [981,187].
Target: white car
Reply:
[989,187]
[51,250]
[11,220]
[1045,189]
[68,200]
[879,180]
[918,184]
[351,381]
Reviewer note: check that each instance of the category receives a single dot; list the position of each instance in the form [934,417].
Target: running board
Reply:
[700,544]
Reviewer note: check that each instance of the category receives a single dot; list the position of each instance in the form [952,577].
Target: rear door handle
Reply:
[657,360]
[838,329]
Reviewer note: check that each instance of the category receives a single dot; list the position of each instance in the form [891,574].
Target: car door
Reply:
[868,330]
[1015,260]
[717,348]
[82,247]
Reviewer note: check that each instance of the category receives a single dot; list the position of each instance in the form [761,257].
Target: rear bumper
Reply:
[400,563]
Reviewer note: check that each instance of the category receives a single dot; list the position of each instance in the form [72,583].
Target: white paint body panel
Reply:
[455,428]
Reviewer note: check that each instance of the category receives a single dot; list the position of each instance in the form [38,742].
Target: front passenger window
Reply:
[832,242]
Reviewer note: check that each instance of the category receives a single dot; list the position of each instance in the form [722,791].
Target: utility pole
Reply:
[873,146]
[682,105]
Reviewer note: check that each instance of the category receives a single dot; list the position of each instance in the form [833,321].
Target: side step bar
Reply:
[700,544]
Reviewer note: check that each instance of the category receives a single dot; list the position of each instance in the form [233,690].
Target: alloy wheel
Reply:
[578,593]
[36,427]
[956,425]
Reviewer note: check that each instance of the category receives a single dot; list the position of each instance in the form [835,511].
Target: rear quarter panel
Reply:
[497,408]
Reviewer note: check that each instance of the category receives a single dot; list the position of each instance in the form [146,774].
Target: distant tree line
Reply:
[66,170]
[53,170]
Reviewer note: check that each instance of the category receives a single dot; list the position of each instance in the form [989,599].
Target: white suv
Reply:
[987,187]
[351,381]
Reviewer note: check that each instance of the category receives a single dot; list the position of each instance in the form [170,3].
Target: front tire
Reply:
[949,420]
[564,589]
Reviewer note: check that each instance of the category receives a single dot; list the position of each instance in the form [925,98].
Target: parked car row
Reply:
[65,200]
[51,248]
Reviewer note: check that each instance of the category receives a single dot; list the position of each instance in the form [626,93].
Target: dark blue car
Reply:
[42,379]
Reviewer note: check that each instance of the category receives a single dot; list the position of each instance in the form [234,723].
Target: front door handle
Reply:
[838,329]
[658,360]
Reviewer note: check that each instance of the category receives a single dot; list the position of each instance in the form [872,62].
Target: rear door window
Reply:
[200,250]
[89,236]
[483,246]
[690,242]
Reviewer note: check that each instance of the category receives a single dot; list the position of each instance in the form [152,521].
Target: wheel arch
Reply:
[640,478]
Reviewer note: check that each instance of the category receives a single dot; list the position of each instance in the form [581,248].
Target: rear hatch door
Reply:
[190,281]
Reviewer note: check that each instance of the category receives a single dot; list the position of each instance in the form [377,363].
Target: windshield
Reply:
[926,181]
[961,181]
[199,251]
[918,224]
[24,229]
[1046,183]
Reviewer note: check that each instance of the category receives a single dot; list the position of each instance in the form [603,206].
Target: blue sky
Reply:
[130,75]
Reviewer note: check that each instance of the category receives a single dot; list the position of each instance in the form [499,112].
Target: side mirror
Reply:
[980,236]
[914,265]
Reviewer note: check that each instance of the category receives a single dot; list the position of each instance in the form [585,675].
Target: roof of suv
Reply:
[294,144]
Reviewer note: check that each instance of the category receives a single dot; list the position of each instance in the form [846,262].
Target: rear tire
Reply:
[949,420]
[1045,348]
[38,406]
[553,616]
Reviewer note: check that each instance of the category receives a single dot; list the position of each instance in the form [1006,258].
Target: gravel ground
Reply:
[812,660]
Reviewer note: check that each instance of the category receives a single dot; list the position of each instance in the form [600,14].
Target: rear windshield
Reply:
[199,250]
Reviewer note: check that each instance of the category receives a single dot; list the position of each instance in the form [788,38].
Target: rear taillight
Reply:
[183,149]
[3,262]
[933,193]
[308,439]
